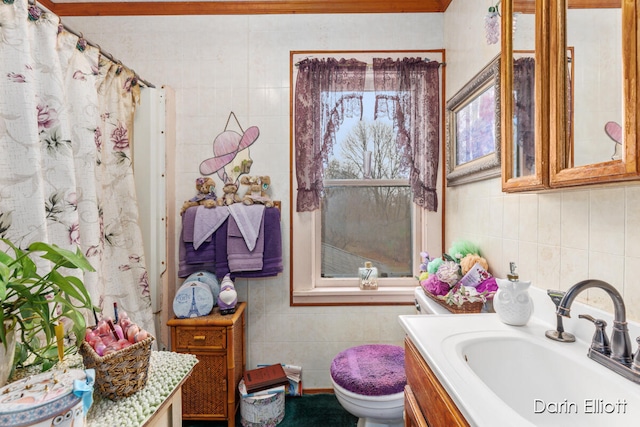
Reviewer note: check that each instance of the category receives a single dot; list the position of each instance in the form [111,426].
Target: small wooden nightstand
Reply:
[211,393]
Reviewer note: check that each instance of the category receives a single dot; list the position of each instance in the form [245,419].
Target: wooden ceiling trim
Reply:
[245,7]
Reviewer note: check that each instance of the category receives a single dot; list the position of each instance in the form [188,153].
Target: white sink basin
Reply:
[501,375]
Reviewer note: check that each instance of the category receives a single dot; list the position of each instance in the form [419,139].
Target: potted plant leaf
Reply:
[37,292]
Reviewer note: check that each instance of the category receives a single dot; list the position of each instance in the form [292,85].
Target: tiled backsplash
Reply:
[556,238]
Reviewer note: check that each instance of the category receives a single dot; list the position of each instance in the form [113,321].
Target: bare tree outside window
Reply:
[366,208]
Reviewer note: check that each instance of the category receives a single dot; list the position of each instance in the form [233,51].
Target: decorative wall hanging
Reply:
[473,128]
[231,153]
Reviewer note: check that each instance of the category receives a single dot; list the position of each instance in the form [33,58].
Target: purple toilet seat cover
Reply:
[370,370]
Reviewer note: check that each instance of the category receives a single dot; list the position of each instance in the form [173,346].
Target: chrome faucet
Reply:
[618,357]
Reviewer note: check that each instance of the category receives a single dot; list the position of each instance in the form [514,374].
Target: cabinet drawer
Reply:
[212,338]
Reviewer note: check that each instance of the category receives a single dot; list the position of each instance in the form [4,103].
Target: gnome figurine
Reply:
[228,297]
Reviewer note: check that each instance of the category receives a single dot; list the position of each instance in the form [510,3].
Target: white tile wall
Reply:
[564,237]
[218,64]
[557,238]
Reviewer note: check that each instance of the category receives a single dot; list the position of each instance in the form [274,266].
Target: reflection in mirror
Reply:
[523,80]
[596,35]
[524,153]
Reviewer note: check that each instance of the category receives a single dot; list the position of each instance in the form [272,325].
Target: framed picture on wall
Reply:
[473,128]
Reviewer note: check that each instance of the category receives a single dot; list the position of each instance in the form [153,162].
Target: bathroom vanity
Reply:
[473,369]
[427,403]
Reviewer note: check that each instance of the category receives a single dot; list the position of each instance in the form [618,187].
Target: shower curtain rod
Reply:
[97,46]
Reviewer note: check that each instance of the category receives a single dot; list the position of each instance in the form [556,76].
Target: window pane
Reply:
[366,224]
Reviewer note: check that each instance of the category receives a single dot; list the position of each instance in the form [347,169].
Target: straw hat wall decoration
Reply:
[231,157]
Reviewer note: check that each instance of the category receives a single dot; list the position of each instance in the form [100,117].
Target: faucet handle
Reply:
[558,334]
[555,295]
[600,342]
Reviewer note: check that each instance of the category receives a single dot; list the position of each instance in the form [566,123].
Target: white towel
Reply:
[249,219]
[207,222]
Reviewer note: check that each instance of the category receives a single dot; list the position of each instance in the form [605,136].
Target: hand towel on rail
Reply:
[239,256]
[249,221]
[206,222]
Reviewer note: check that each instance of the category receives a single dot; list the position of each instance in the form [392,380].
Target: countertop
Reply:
[432,334]
[167,372]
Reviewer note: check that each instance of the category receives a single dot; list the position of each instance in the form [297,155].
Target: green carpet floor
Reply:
[311,410]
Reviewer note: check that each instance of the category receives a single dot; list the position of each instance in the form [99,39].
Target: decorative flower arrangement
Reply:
[458,277]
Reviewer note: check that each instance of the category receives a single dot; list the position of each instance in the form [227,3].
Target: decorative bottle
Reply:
[368,277]
[512,301]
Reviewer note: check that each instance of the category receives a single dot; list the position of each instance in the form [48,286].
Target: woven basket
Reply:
[466,308]
[122,373]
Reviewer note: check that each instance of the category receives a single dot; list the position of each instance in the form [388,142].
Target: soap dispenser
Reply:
[512,301]
[368,276]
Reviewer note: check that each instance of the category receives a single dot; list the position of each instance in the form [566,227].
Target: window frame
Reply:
[307,288]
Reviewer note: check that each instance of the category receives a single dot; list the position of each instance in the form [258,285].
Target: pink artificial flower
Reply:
[435,286]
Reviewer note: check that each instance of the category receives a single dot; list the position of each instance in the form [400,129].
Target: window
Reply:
[366,212]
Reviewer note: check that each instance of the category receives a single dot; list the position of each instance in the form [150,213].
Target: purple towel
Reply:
[206,222]
[184,267]
[188,220]
[249,221]
[272,256]
[240,257]
[205,253]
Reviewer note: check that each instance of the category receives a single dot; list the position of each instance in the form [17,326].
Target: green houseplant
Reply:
[36,295]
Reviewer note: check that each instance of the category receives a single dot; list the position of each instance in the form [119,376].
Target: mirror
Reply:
[524,95]
[597,89]
[586,93]
[595,141]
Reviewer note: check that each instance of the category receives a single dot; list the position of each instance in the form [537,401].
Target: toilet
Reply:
[368,381]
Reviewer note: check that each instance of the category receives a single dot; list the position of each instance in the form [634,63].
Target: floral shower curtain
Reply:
[66,177]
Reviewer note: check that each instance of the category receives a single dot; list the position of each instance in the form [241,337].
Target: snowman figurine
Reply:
[228,297]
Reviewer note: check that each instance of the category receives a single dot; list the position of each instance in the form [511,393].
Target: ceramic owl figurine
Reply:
[228,297]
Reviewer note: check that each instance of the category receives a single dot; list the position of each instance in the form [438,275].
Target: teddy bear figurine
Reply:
[230,194]
[257,192]
[206,196]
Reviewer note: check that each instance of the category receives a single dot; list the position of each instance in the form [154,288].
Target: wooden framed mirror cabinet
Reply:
[585,99]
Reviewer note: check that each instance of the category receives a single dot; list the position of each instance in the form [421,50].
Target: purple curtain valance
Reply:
[415,112]
[327,91]
[407,92]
